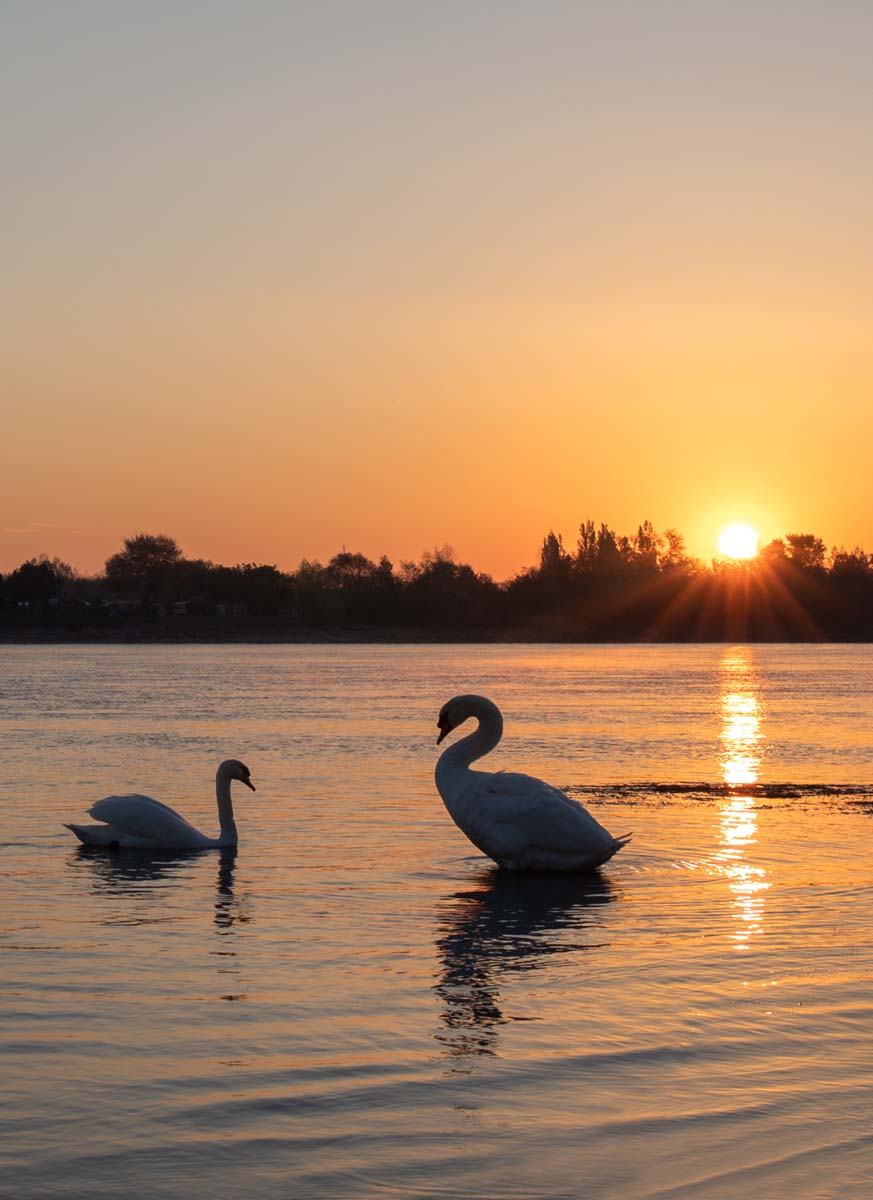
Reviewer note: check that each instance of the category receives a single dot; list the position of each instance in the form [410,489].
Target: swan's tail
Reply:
[94,835]
[612,847]
[617,844]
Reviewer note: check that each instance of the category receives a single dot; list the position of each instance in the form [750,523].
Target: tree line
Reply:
[609,586]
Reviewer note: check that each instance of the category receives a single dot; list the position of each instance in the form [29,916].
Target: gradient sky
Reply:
[281,278]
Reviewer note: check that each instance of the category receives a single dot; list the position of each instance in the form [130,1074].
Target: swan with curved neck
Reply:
[521,822]
[141,823]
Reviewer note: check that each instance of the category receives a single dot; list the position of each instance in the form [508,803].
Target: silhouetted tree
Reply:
[850,562]
[314,600]
[646,548]
[586,549]
[613,587]
[367,590]
[144,566]
[268,592]
[38,581]
[442,593]
[554,560]
[674,555]
[607,546]
[805,550]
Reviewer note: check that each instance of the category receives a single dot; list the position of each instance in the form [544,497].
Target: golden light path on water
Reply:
[741,744]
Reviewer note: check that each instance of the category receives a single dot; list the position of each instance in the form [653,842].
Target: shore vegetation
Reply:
[609,586]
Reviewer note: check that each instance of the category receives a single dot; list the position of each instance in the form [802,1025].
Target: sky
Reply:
[280,279]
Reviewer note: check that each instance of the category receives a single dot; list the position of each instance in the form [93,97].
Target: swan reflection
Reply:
[741,748]
[511,922]
[120,872]
[230,909]
[132,876]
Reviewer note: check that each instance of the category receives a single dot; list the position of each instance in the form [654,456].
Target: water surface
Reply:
[356,1005]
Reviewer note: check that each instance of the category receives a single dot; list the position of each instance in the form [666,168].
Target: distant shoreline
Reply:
[279,634]
[613,589]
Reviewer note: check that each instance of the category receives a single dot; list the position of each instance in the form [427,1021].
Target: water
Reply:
[355,1005]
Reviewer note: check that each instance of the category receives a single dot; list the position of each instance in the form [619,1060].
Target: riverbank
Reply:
[274,632]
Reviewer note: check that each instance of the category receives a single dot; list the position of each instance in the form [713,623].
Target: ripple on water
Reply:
[355,1005]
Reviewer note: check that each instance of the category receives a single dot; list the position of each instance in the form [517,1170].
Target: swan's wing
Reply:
[143,817]
[514,812]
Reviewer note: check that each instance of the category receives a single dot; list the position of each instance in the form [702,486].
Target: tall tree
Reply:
[38,581]
[554,560]
[646,544]
[675,554]
[144,565]
[805,549]
[586,548]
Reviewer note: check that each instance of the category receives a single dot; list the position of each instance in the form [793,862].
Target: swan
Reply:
[138,822]
[522,823]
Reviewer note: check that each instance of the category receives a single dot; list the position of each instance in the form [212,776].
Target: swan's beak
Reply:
[444,729]
[249,784]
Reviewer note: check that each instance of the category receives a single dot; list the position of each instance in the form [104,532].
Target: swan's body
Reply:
[521,822]
[141,823]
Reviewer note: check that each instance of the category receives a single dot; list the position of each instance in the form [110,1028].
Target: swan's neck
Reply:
[480,741]
[228,835]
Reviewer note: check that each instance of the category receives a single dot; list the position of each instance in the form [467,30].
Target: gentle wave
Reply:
[857,793]
[357,1005]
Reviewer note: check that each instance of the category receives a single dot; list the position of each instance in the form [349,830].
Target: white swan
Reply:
[141,823]
[522,823]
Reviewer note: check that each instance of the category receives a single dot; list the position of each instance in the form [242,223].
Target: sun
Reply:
[738,541]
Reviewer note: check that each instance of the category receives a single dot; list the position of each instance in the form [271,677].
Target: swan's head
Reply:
[456,711]
[232,768]
[452,714]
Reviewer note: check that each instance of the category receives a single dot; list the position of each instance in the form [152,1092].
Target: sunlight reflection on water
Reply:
[742,743]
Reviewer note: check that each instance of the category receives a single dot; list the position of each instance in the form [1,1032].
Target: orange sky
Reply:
[288,282]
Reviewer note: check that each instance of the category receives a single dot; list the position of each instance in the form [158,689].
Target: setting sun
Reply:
[738,541]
